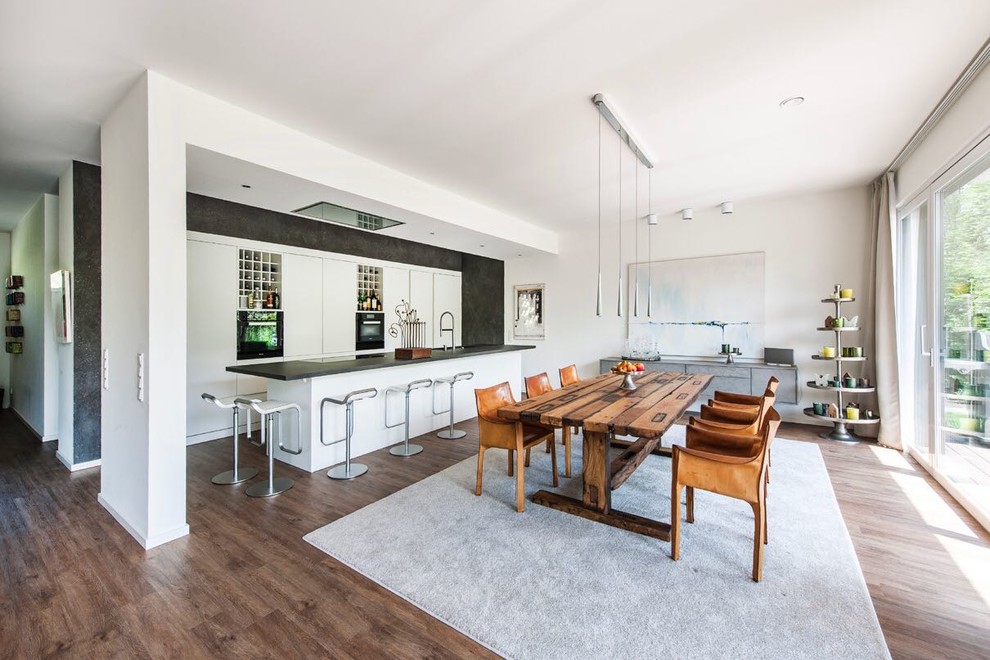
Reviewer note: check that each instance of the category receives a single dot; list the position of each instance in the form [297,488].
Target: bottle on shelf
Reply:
[250,299]
[269,300]
[276,299]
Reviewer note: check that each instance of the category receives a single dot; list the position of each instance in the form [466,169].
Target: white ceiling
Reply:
[491,100]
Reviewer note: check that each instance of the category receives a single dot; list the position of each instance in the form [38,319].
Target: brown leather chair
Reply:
[740,419]
[727,464]
[493,431]
[536,386]
[569,375]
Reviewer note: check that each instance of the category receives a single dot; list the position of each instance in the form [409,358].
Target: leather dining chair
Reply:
[726,464]
[536,386]
[493,431]
[569,375]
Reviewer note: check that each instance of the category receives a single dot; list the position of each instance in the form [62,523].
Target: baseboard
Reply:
[75,467]
[29,425]
[146,543]
[49,437]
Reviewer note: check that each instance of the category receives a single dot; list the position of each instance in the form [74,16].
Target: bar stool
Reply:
[271,412]
[450,434]
[238,474]
[406,449]
[348,470]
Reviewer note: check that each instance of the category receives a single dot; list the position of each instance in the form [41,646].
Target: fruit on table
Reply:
[627,367]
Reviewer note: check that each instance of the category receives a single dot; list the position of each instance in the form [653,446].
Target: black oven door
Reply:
[370,331]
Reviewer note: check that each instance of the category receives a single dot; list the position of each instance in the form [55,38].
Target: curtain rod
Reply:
[947,101]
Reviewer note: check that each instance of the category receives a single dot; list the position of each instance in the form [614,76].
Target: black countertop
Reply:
[300,369]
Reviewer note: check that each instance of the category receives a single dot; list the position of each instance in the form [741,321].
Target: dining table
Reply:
[604,411]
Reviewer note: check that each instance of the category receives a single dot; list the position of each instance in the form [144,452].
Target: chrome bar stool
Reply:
[406,449]
[271,412]
[450,433]
[238,474]
[347,470]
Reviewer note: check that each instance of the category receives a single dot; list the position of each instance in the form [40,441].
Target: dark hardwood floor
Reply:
[244,583]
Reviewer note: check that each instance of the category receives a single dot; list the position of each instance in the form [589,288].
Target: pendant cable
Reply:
[598,308]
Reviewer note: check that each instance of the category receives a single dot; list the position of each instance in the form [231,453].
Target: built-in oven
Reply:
[370,331]
[259,334]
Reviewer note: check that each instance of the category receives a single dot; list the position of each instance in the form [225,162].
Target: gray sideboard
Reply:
[741,378]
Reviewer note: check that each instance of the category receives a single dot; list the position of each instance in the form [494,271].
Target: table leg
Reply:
[597,493]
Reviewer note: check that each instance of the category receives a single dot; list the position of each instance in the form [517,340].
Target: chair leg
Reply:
[553,461]
[675,521]
[566,437]
[766,494]
[758,514]
[549,442]
[481,468]
[690,504]
[521,480]
[511,461]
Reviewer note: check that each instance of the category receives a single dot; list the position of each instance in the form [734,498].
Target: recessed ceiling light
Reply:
[792,102]
[519,255]
[432,233]
[244,185]
[481,246]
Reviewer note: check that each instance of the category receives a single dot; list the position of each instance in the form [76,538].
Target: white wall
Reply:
[964,123]
[4,357]
[33,374]
[65,352]
[812,241]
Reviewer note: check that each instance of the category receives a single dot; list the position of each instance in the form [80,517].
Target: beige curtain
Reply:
[884,217]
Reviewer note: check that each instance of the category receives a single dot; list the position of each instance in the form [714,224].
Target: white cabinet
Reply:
[339,305]
[421,298]
[211,331]
[395,289]
[302,300]
[446,298]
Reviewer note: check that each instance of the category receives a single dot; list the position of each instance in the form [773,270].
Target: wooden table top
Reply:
[598,405]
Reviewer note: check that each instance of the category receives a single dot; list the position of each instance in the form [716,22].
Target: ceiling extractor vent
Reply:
[344,216]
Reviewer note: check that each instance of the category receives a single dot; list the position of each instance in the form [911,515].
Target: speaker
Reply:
[784,356]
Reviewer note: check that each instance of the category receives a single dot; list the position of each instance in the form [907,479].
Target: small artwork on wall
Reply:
[529,318]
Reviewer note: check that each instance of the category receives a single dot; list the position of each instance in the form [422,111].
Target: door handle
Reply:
[931,358]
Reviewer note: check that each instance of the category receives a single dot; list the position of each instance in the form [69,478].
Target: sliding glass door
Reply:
[963,447]
[943,309]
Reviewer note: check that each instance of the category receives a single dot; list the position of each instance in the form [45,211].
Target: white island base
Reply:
[370,433]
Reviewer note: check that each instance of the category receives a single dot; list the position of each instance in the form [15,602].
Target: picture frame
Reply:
[529,312]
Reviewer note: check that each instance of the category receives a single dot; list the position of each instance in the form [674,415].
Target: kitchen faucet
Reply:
[450,329]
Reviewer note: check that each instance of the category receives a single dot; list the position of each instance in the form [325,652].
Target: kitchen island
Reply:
[308,382]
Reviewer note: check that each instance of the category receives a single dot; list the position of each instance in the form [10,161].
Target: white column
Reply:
[144,315]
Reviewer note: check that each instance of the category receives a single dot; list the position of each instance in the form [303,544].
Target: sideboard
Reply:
[739,377]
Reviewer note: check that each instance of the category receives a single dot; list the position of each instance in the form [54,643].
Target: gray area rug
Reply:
[545,584]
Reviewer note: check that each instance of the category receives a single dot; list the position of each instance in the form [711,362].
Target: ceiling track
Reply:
[613,120]
[960,85]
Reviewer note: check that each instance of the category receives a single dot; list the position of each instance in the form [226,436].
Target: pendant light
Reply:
[598,306]
[636,225]
[652,220]
[618,307]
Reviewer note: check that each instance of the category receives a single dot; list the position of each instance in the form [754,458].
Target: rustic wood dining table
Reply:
[603,411]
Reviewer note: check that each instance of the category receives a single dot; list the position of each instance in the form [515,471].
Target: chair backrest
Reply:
[772,384]
[569,375]
[537,385]
[771,423]
[490,399]
[766,405]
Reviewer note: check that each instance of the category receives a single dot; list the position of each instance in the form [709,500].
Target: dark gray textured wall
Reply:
[87,332]
[217,216]
[482,300]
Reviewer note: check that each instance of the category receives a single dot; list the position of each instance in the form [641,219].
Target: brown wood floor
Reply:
[244,583]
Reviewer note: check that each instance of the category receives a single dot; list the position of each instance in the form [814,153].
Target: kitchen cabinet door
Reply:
[339,305]
[395,289]
[211,333]
[421,298]
[446,298]
[302,300]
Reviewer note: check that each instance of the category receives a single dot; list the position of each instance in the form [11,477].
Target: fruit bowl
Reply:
[629,371]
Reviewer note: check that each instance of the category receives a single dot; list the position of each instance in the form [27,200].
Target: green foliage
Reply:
[966,255]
